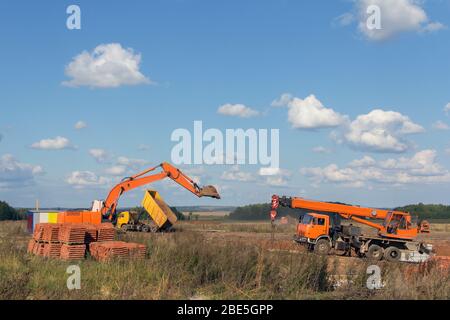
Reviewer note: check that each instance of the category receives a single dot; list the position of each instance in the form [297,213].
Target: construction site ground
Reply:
[280,237]
[206,259]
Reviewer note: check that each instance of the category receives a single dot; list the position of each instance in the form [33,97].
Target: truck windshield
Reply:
[307,219]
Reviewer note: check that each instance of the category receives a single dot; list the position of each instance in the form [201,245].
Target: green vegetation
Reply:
[9,213]
[262,211]
[186,265]
[427,211]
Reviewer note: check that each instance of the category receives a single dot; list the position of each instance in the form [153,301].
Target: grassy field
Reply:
[209,260]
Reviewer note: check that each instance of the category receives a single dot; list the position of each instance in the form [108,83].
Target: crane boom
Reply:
[142,178]
[396,224]
[321,230]
[345,210]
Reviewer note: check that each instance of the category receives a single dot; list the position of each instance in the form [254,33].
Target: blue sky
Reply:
[196,56]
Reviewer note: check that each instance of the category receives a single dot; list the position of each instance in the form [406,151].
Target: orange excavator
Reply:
[108,207]
[321,230]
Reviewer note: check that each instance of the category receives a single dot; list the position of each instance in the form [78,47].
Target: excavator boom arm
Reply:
[140,179]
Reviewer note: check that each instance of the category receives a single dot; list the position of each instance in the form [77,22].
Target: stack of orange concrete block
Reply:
[39,248]
[73,233]
[137,250]
[91,234]
[73,237]
[105,232]
[50,232]
[50,236]
[72,251]
[38,234]
[69,241]
[52,250]
[105,251]
[36,244]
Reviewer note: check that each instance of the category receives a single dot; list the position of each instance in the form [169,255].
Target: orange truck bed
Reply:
[80,217]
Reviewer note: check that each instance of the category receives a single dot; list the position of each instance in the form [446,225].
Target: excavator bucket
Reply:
[209,191]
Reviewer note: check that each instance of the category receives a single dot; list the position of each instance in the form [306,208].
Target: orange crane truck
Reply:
[321,230]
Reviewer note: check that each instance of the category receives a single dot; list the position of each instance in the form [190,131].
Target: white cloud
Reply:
[116,170]
[344,19]
[14,174]
[132,163]
[366,161]
[237,110]
[377,131]
[196,173]
[283,101]
[235,174]
[80,125]
[420,168]
[309,113]
[433,27]
[82,179]
[320,149]
[447,108]
[380,131]
[143,147]
[277,181]
[440,125]
[269,171]
[108,66]
[397,17]
[276,177]
[57,143]
[100,155]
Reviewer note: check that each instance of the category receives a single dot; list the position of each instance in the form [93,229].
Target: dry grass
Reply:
[186,264]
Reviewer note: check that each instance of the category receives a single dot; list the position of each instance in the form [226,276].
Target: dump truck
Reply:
[162,217]
[108,207]
[321,230]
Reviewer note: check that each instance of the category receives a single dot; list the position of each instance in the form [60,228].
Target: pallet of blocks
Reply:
[73,237]
[70,241]
[105,232]
[105,251]
[72,251]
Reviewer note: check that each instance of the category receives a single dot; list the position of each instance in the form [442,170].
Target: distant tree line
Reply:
[261,211]
[427,211]
[9,213]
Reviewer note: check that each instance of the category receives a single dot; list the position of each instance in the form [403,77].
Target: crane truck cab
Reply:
[314,230]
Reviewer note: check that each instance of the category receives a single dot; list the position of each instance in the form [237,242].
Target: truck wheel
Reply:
[145,228]
[375,252]
[392,254]
[322,247]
